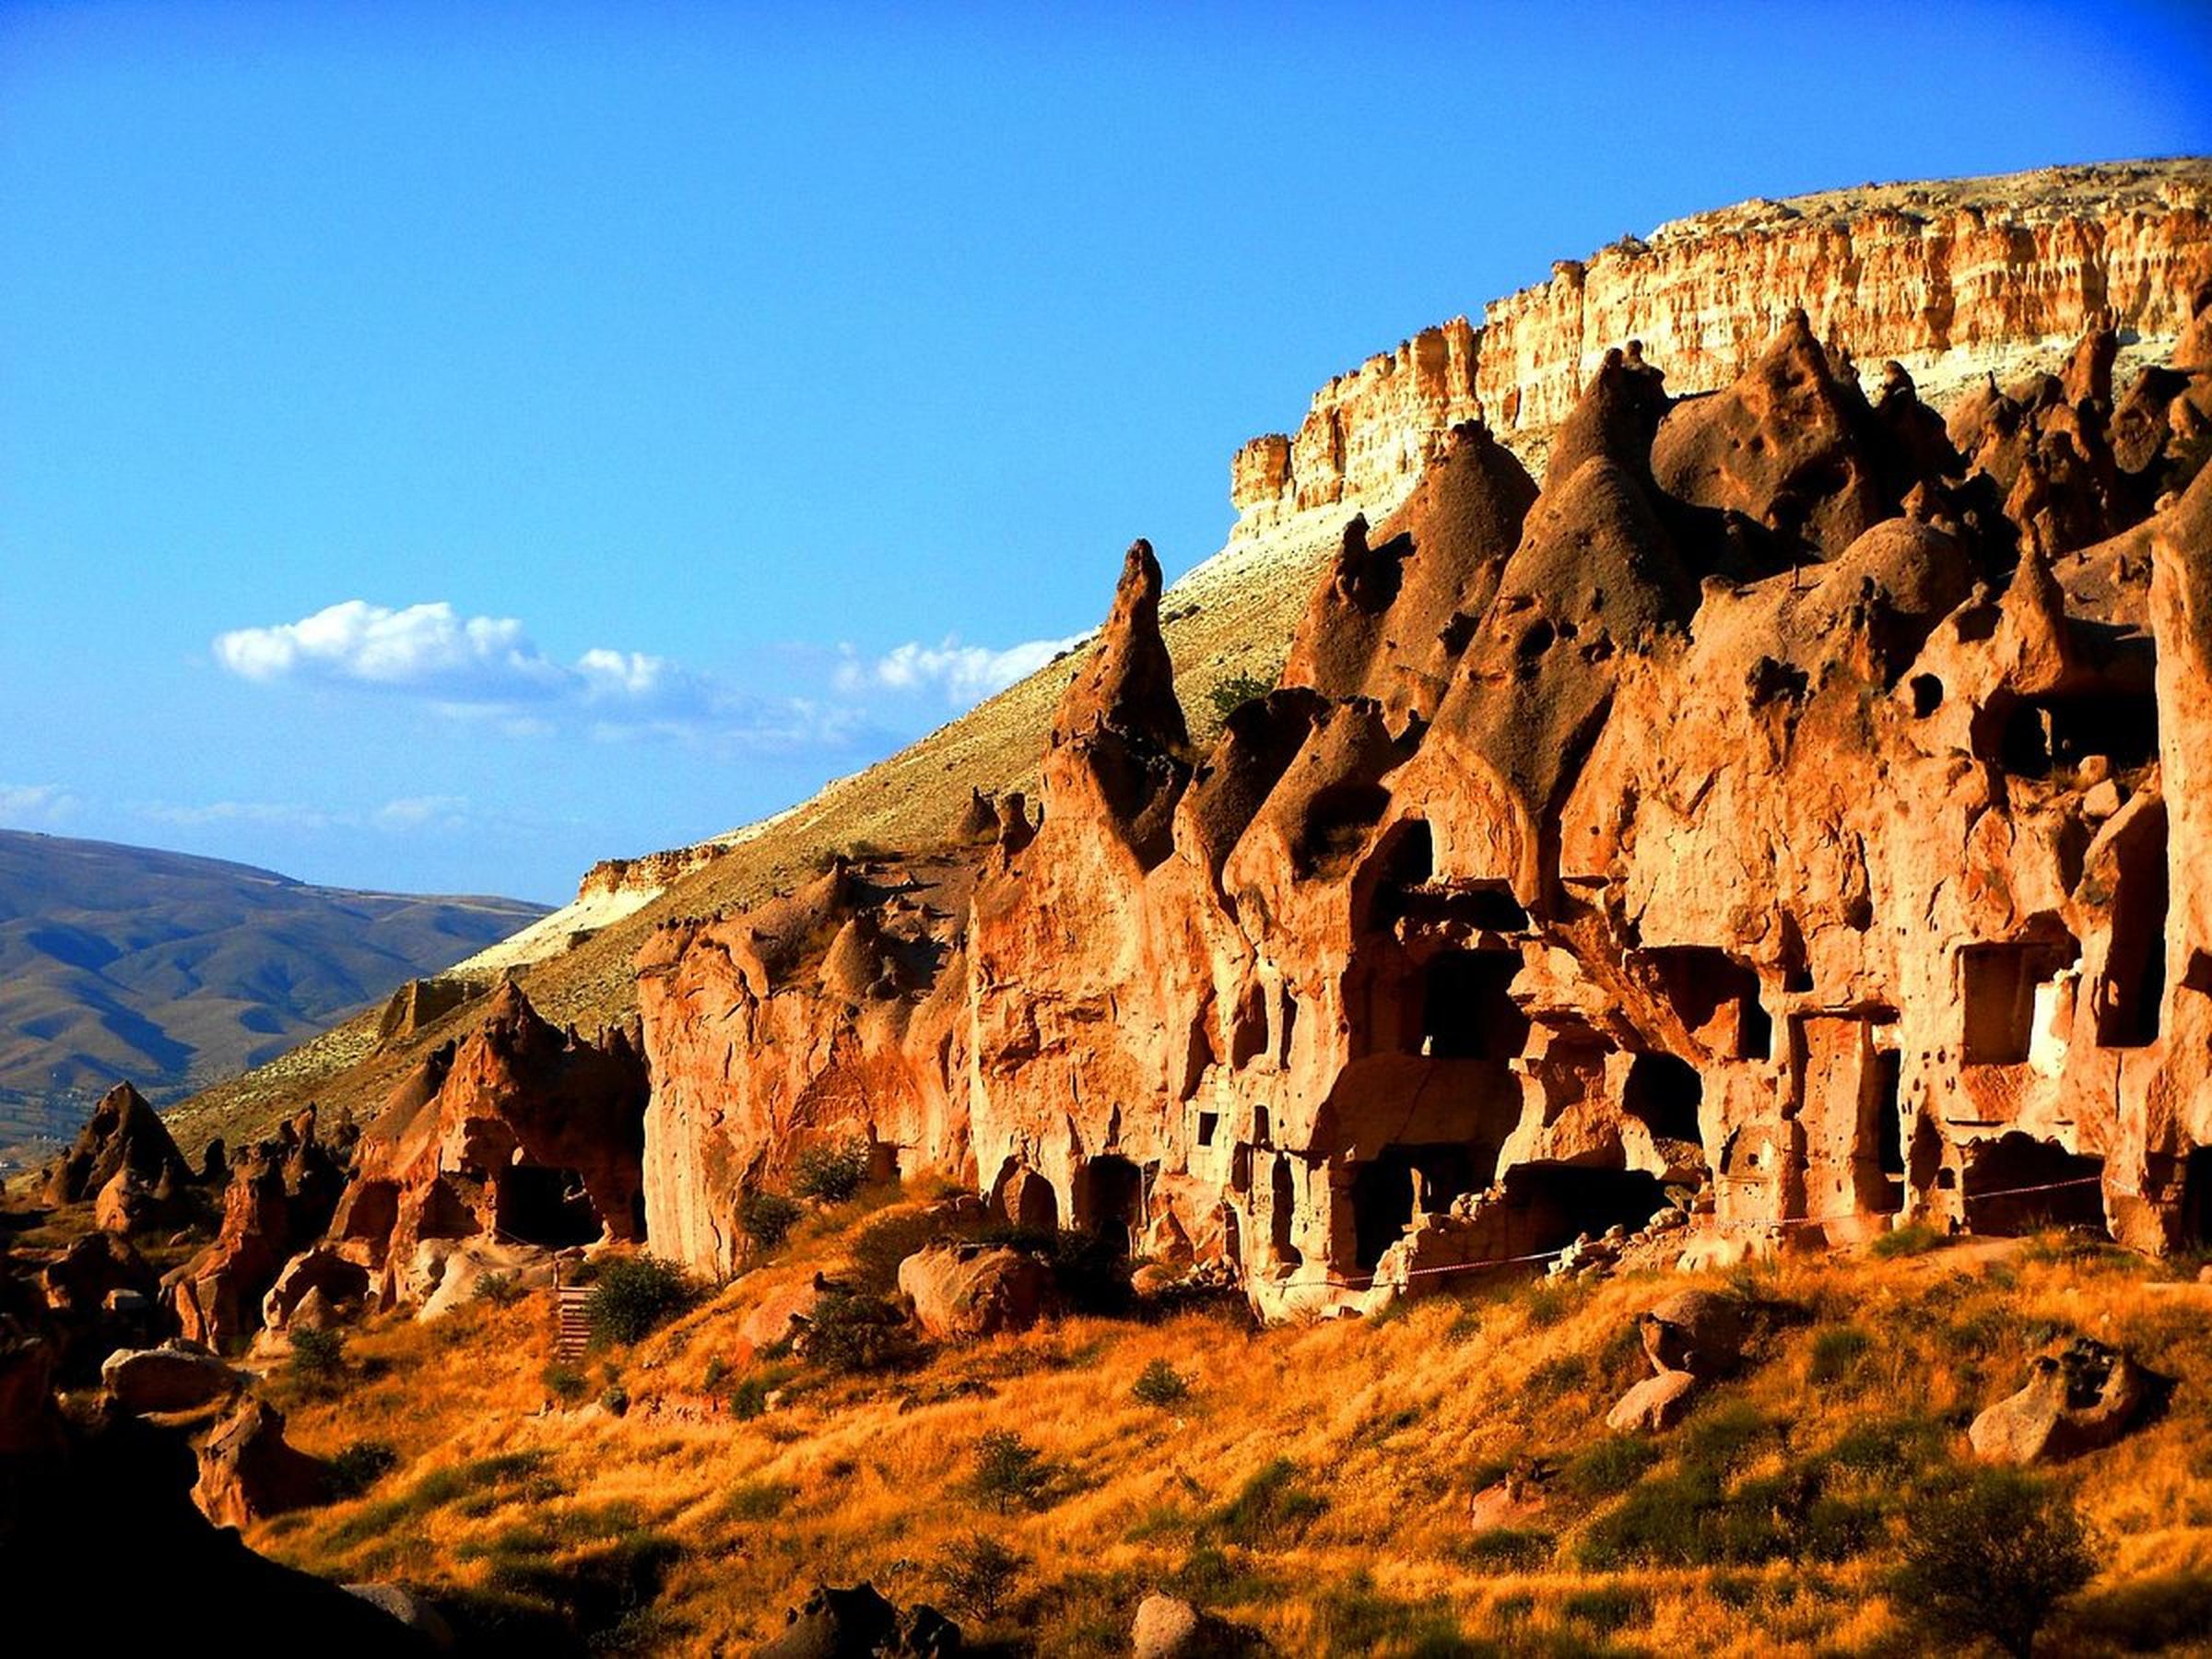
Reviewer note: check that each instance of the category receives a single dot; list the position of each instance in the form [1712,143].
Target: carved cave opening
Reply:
[1408,890]
[1927,695]
[2019,1184]
[1109,1200]
[542,1205]
[2000,986]
[1465,1013]
[1665,1091]
[1717,998]
[1389,1188]
[1282,1213]
[373,1212]
[2197,1199]
[2046,732]
[2134,981]
[1853,1138]
[1551,1205]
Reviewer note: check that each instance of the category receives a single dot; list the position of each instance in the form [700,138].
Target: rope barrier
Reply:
[1330,1282]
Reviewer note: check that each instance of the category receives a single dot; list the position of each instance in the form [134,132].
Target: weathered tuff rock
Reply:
[281,1195]
[1779,821]
[123,1137]
[1695,1331]
[960,1292]
[860,1623]
[2079,1399]
[174,1377]
[248,1472]
[520,1132]
[1168,1627]
[1655,1403]
[1932,274]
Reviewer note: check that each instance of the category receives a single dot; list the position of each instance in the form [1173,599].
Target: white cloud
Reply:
[273,815]
[424,812]
[967,674]
[37,803]
[487,669]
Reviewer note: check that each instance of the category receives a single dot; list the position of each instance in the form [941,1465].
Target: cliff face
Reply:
[1941,277]
[1761,832]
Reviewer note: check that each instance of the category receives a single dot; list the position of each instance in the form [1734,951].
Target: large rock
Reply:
[860,1623]
[960,1291]
[326,1272]
[281,1195]
[124,1135]
[2080,1399]
[1655,1403]
[249,1473]
[174,1377]
[1694,1331]
[450,1272]
[1168,1627]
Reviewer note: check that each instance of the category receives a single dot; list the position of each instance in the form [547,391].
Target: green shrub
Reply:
[767,1218]
[978,1574]
[634,1296]
[1915,1238]
[883,1242]
[830,1174]
[1994,1558]
[1273,1507]
[1609,1466]
[1509,1549]
[501,1290]
[1836,1353]
[1162,1385]
[616,1399]
[1233,692]
[760,1501]
[318,1359]
[564,1383]
[1606,1608]
[1355,1617]
[1008,1470]
[856,1335]
[750,1398]
[360,1465]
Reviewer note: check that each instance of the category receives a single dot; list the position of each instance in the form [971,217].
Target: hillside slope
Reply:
[2026,261]
[174,971]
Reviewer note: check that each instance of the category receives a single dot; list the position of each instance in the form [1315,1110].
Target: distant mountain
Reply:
[175,972]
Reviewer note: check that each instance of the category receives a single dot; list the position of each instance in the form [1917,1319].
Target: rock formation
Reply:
[1937,276]
[124,1140]
[281,1195]
[519,1132]
[1778,827]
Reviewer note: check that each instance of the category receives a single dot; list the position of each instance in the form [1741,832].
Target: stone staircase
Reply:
[571,1321]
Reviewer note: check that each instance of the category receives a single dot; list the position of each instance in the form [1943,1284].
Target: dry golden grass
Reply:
[1363,1546]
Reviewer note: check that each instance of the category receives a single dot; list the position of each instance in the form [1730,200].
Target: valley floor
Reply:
[1314,1483]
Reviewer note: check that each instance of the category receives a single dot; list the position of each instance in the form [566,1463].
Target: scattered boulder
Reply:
[324,1272]
[860,1623]
[409,1610]
[248,1472]
[176,1377]
[960,1291]
[447,1272]
[778,1317]
[1695,1331]
[1169,1628]
[1655,1403]
[2081,1398]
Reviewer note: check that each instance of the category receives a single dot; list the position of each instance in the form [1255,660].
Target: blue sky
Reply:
[442,445]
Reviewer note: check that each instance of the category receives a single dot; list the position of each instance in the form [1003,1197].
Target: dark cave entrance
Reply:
[1282,1213]
[2044,732]
[2133,982]
[1385,1189]
[2197,1199]
[1109,1201]
[1717,998]
[2019,1184]
[542,1205]
[1997,986]
[1665,1091]
[373,1212]
[1466,1011]
[1553,1205]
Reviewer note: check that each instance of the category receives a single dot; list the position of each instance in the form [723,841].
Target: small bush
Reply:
[565,1383]
[1994,1558]
[750,1398]
[318,1359]
[830,1174]
[884,1241]
[1915,1238]
[978,1574]
[616,1399]
[1232,693]
[1836,1353]
[360,1465]
[1162,1385]
[1273,1507]
[634,1296]
[767,1218]
[1008,1470]
[1509,1549]
[501,1290]
[856,1335]
[1606,1608]
[760,1501]
[1610,1466]
[1354,1618]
